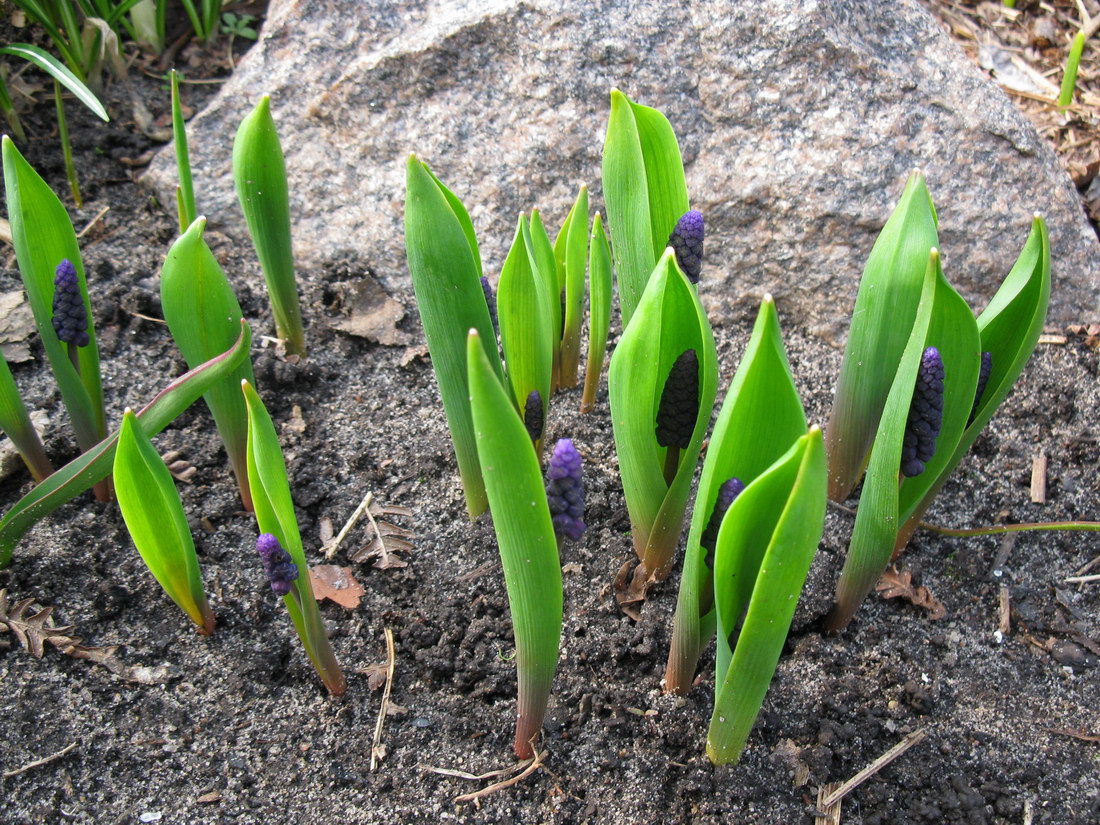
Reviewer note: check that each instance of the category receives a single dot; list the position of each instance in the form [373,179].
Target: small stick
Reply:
[99,215]
[368,499]
[1058,340]
[1087,567]
[1039,479]
[391,662]
[1083,579]
[827,814]
[1003,552]
[1005,618]
[474,777]
[507,783]
[876,766]
[39,762]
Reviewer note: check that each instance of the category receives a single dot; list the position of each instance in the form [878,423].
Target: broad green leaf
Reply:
[644,190]
[543,256]
[525,334]
[186,200]
[204,317]
[599,311]
[669,320]
[881,321]
[944,321]
[55,69]
[95,464]
[43,236]
[259,172]
[275,514]
[573,240]
[760,418]
[154,516]
[446,277]
[15,422]
[1009,328]
[525,534]
[765,547]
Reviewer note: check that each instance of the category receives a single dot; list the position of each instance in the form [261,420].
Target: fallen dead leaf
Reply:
[899,585]
[337,584]
[372,314]
[376,674]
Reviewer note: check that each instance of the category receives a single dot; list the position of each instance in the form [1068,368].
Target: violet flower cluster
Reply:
[70,319]
[925,415]
[279,567]
[679,407]
[686,241]
[565,491]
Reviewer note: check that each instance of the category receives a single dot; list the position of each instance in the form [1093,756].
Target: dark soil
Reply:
[242,731]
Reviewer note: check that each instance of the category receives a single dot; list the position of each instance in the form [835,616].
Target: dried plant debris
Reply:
[180,468]
[34,630]
[899,585]
[388,539]
[336,584]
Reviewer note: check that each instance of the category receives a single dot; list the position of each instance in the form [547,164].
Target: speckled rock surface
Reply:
[799,122]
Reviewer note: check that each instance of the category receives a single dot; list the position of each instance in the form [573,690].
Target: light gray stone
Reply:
[798,120]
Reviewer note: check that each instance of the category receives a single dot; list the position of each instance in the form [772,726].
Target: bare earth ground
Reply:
[236,728]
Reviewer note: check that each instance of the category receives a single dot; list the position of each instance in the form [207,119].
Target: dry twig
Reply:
[39,762]
[377,751]
[876,766]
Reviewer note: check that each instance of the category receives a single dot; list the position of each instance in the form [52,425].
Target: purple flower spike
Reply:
[491,301]
[679,407]
[730,490]
[279,567]
[983,378]
[925,415]
[534,417]
[70,319]
[565,491]
[686,241]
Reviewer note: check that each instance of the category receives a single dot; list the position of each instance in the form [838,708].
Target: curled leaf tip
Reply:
[686,241]
[565,491]
[679,407]
[70,319]
[534,417]
[279,567]
[925,415]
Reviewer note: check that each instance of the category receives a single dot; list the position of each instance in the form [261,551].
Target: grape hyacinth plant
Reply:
[565,491]
[686,241]
[279,567]
[922,427]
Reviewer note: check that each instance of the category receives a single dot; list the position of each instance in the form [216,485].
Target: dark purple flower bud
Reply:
[279,567]
[491,301]
[565,491]
[983,378]
[679,407]
[686,241]
[534,417]
[925,415]
[730,490]
[70,319]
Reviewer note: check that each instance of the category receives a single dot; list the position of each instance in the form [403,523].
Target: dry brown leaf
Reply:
[899,585]
[372,314]
[388,539]
[337,584]
[376,674]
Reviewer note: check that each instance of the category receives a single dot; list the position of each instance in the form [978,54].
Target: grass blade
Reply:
[57,70]
[599,311]
[525,534]
[259,172]
[186,200]
[154,516]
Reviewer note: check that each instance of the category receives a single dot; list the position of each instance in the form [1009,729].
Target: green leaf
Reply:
[945,322]
[525,333]
[154,516]
[525,534]
[15,422]
[881,321]
[764,550]
[43,236]
[1009,328]
[599,311]
[188,211]
[645,192]
[446,276]
[543,255]
[55,69]
[259,172]
[95,464]
[760,418]
[668,321]
[203,316]
[275,515]
[574,241]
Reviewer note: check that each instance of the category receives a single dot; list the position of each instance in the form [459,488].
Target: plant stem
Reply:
[1091,526]
[66,147]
